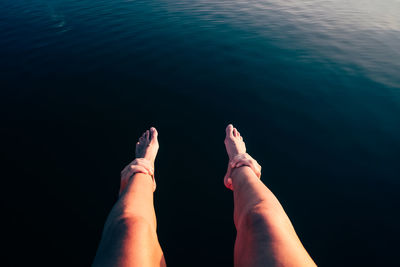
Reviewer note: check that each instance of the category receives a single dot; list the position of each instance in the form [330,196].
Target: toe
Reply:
[229,130]
[154,134]
[235,132]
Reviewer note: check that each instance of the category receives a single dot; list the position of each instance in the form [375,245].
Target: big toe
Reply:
[229,130]
[153,135]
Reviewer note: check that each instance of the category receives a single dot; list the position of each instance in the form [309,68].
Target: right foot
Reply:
[236,149]
[234,142]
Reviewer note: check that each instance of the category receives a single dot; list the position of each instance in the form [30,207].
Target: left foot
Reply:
[147,146]
[146,152]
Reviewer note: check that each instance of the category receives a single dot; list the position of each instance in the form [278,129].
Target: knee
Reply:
[256,217]
[266,222]
[261,219]
[129,224]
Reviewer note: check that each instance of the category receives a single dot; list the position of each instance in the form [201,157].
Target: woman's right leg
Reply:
[265,235]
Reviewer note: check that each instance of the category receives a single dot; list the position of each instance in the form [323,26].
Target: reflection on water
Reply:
[359,37]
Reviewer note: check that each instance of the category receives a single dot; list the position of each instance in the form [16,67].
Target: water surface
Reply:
[313,86]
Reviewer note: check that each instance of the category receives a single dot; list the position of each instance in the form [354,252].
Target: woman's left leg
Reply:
[129,236]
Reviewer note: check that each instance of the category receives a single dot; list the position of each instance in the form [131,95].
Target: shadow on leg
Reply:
[129,237]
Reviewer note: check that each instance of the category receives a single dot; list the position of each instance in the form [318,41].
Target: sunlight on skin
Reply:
[265,234]
[129,237]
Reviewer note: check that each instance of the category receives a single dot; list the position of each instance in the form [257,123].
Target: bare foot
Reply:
[236,149]
[147,146]
[234,142]
[146,152]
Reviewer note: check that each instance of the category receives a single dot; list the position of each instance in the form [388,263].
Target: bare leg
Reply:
[129,237]
[265,235]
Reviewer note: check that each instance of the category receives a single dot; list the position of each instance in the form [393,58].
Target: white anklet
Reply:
[139,165]
[240,160]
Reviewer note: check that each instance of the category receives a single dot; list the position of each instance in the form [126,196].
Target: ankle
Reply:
[144,181]
[242,175]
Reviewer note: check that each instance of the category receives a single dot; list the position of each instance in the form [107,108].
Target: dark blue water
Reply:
[313,86]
